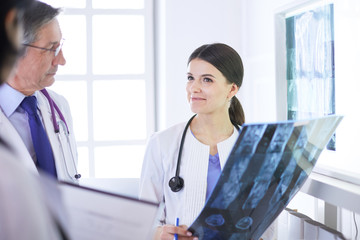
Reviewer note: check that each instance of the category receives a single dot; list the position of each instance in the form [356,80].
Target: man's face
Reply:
[36,70]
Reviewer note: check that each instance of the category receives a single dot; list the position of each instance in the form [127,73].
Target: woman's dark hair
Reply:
[229,63]
[8,51]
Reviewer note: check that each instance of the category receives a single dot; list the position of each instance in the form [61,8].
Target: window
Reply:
[340,96]
[108,82]
[310,64]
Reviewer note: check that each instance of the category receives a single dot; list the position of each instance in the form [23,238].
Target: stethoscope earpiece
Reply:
[176,183]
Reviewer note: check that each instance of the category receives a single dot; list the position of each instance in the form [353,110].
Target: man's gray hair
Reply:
[35,17]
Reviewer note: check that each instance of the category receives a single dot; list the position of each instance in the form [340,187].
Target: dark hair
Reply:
[35,17]
[8,51]
[229,63]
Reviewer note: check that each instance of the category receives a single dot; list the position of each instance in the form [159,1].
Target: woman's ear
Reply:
[233,90]
[14,29]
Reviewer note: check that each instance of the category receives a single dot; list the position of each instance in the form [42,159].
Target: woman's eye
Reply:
[190,78]
[207,80]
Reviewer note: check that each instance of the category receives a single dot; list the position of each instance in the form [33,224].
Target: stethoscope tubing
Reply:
[53,107]
[182,145]
[56,124]
[176,183]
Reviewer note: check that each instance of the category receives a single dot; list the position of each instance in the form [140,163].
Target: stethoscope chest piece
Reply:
[176,183]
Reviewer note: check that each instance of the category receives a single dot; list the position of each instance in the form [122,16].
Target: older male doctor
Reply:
[26,110]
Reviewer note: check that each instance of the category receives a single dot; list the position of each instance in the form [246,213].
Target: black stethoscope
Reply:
[63,124]
[176,183]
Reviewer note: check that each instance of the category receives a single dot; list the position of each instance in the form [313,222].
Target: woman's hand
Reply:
[167,232]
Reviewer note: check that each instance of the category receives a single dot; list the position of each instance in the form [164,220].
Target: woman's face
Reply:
[208,91]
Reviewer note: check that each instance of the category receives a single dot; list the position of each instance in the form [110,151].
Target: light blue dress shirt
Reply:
[10,100]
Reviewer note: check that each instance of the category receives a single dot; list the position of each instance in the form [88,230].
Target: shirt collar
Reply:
[10,99]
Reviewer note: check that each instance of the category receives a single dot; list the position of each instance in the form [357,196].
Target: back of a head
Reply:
[8,50]
[5,7]
[229,63]
[35,17]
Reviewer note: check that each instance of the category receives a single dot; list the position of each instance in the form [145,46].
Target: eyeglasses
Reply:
[56,50]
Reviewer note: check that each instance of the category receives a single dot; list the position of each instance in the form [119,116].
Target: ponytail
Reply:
[236,112]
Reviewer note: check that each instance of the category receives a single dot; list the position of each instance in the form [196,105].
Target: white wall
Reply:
[182,27]
[247,26]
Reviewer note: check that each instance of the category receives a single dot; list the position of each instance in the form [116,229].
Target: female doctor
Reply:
[215,74]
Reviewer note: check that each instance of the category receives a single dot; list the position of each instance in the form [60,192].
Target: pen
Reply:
[176,224]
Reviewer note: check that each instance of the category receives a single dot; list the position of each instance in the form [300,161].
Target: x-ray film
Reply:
[266,167]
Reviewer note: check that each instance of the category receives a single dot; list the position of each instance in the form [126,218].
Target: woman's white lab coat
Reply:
[160,165]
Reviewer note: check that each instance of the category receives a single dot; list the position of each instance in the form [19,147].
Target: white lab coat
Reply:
[65,169]
[160,165]
[29,207]
[9,133]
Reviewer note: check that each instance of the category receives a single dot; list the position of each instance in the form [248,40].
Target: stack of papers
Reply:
[95,214]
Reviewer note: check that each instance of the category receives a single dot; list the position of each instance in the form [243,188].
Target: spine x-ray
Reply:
[266,167]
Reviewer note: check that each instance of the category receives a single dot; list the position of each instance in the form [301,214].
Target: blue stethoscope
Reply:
[64,126]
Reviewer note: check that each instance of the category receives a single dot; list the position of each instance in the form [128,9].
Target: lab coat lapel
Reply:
[11,136]
[194,169]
